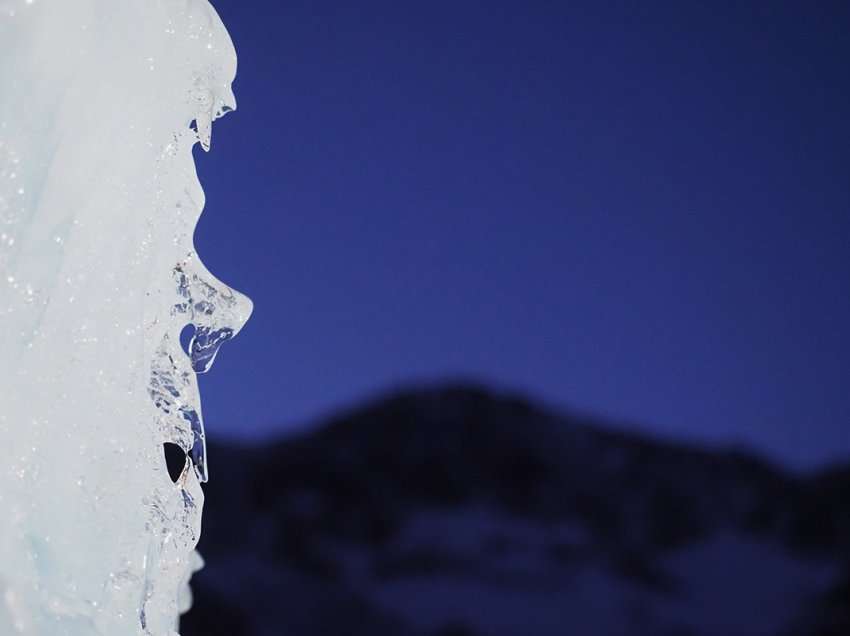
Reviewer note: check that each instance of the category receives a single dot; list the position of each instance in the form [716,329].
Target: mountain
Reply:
[456,511]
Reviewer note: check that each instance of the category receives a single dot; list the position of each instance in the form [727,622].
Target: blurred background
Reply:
[551,327]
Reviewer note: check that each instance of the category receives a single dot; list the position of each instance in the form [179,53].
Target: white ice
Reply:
[101,102]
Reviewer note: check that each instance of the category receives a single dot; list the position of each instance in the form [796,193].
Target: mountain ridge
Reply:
[395,483]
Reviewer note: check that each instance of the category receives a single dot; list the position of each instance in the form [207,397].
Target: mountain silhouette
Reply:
[458,511]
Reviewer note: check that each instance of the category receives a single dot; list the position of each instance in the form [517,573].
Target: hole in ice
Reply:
[186,336]
[175,460]
[204,346]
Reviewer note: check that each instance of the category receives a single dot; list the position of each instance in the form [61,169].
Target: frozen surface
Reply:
[100,105]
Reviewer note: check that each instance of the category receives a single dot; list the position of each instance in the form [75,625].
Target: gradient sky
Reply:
[637,211]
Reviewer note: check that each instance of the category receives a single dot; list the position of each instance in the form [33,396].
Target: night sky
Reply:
[638,211]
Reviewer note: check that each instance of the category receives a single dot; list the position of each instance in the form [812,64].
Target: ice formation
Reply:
[101,102]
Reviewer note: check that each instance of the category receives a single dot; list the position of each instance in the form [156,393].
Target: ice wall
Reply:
[101,102]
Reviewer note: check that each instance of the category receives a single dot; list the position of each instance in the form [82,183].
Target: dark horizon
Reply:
[277,432]
[640,212]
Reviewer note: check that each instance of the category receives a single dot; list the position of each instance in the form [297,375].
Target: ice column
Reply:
[101,102]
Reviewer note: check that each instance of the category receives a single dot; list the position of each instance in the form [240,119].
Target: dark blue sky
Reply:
[638,211]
